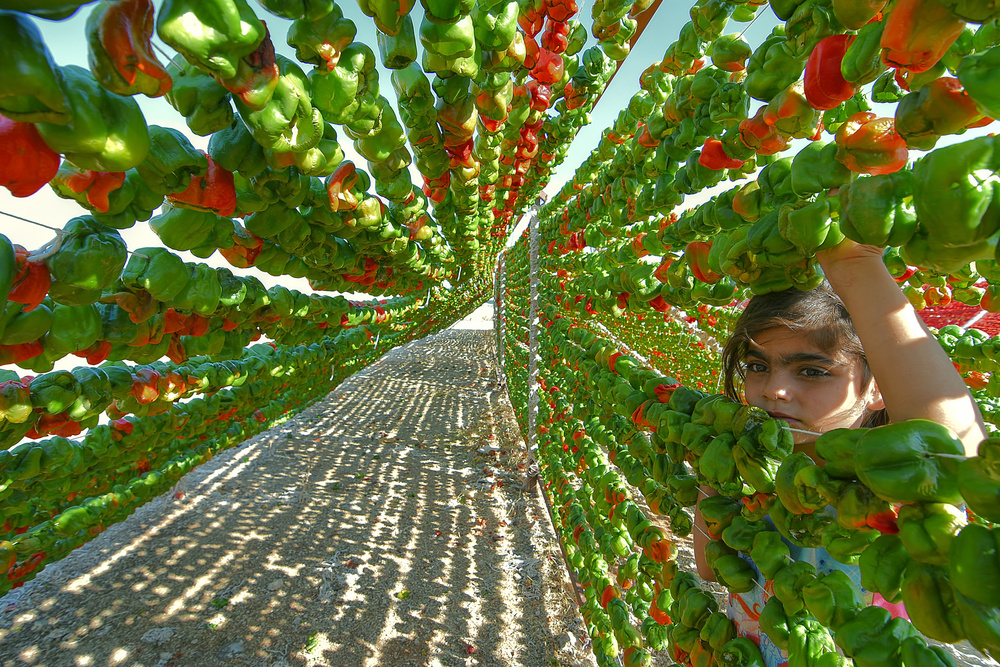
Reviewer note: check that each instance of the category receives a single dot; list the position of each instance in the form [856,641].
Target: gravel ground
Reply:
[385,525]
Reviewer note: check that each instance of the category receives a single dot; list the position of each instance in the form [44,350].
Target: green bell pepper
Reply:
[845,545]
[832,598]
[785,483]
[718,630]
[289,121]
[718,513]
[213,35]
[980,624]
[188,229]
[347,90]
[927,530]
[899,463]
[741,533]
[862,63]
[30,91]
[735,573]
[202,292]
[808,640]
[740,652]
[977,73]
[769,553]
[802,530]
[106,132]
[172,161]
[788,584]
[950,199]
[234,149]
[810,227]
[979,480]
[74,328]
[878,210]
[89,255]
[974,563]
[915,652]
[774,623]
[54,392]
[320,42]
[873,637]
[25,327]
[772,67]
[156,270]
[930,602]
[203,101]
[882,565]
[815,169]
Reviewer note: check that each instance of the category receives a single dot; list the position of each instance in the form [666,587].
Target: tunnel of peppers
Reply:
[814,127]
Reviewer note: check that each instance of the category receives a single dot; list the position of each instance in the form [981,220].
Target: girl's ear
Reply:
[874,398]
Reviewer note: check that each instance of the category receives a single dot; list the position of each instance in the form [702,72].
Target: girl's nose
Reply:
[775,389]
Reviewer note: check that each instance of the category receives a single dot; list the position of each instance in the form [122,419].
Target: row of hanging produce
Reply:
[840,124]
[125,367]
[488,105]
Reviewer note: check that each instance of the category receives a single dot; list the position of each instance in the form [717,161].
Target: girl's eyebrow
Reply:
[808,357]
[795,358]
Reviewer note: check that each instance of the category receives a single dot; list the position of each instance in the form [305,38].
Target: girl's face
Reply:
[813,390]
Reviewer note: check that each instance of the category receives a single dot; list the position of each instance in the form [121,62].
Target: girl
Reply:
[849,354]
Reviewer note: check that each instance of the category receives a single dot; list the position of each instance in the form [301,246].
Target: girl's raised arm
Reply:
[914,374]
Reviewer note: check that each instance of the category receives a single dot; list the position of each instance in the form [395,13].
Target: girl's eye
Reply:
[756,367]
[813,372]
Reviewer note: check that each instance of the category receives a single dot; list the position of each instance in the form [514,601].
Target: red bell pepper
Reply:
[991,299]
[246,248]
[97,184]
[918,33]
[868,144]
[121,52]
[696,255]
[256,75]
[31,280]
[825,86]
[548,67]
[215,192]
[145,386]
[26,162]
[763,138]
[338,188]
[713,156]
[939,108]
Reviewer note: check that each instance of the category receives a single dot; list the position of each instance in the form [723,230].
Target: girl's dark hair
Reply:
[819,314]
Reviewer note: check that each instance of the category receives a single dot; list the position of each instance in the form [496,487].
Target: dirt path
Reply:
[385,525]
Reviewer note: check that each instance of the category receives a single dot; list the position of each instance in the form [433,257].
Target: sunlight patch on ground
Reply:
[481,319]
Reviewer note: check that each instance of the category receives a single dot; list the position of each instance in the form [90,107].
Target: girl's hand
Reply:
[847,252]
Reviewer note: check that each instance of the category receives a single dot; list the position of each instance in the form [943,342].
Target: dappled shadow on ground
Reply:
[367,531]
